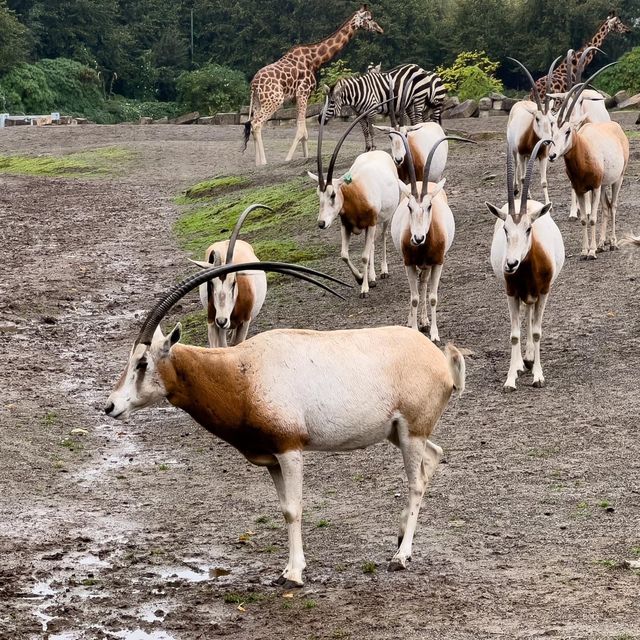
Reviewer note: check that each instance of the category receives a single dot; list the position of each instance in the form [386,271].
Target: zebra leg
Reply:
[366,130]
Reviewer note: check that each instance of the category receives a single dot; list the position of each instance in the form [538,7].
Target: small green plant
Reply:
[163,467]
[322,523]
[50,418]
[340,633]
[471,76]
[89,582]
[340,568]
[71,444]
[262,519]
[604,504]
[635,551]
[582,505]
[609,564]
[359,477]
[369,567]
[309,604]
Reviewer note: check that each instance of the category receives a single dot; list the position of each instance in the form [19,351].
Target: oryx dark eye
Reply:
[333,197]
[142,365]
[566,135]
[528,230]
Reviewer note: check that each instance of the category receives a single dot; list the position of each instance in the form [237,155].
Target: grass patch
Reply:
[95,162]
[50,418]
[633,135]
[322,523]
[242,598]
[210,188]
[71,444]
[205,223]
[369,567]
[163,467]
[194,329]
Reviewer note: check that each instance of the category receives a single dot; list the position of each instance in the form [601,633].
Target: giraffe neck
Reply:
[596,41]
[320,52]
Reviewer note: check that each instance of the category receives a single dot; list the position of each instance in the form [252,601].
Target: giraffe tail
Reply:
[247,126]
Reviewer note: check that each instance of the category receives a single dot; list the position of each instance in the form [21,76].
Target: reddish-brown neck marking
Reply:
[431,251]
[533,276]
[582,169]
[357,213]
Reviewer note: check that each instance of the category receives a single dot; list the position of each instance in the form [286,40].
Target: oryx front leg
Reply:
[538,312]
[217,336]
[517,364]
[287,477]
[584,202]
[345,235]
[413,277]
[615,193]
[421,459]
[530,347]
[367,258]
[573,213]
[544,164]
[241,332]
[424,309]
[434,283]
[384,267]
[593,219]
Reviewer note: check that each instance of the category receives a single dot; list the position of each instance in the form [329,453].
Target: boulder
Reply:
[466,109]
[630,103]
[621,96]
[226,118]
[145,120]
[484,104]
[638,119]
[164,120]
[507,104]
[207,120]
[450,102]
[186,118]
[497,96]
[610,102]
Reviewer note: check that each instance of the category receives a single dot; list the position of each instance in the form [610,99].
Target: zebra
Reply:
[420,91]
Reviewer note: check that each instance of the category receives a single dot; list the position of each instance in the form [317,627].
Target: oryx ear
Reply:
[540,212]
[382,128]
[313,176]
[405,189]
[496,212]
[172,339]
[438,188]
[201,263]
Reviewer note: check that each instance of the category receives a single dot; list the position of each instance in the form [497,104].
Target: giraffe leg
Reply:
[266,105]
[301,131]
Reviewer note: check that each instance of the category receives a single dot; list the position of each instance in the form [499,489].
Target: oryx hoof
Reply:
[591,255]
[423,328]
[507,388]
[613,246]
[528,364]
[397,565]
[600,248]
[538,384]
[281,581]
[372,284]
[384,276]
[364,294]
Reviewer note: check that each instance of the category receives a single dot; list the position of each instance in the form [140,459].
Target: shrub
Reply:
[471,76]
[625,75]
[212,88]
[25,90]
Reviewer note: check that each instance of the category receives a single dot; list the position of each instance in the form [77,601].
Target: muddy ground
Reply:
[152,529]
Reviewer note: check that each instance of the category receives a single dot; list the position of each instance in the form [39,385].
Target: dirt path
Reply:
[152,529]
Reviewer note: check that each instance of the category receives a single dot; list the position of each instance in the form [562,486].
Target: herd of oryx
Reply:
[286,391]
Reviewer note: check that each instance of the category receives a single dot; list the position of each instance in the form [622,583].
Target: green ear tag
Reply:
[347,178]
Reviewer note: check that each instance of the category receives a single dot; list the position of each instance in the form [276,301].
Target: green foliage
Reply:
[209,188]
[25,90]
[328,77]
[212,88]
[471,76]
[625,75]
[13,39]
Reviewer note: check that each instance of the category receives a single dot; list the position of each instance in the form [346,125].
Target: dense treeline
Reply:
[140,48]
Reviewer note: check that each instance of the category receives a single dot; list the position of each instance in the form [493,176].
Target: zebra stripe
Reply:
[424,91]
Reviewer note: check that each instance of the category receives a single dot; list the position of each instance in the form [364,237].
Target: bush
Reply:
[25,90]
[212,88]
[328,77]
[471,76]
[625,75]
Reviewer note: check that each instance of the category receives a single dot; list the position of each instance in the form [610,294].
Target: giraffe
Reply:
[294,77]
[560,78]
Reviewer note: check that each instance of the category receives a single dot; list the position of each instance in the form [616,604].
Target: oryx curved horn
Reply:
[427,164]
[392,106]
[524,196]
[536,93]
[409,160]
[323,116]
[236,229]
[168,300]
[547,88]
[570,80]
[583,60]
[569,103]
[334,156]
[510,181]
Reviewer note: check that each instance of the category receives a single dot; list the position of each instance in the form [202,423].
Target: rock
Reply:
[484,104]
[164,120]
[621,96]
[467,109]
[8,327]
[145,120]
[507,103]
[638,119]
[610,102]
[226,118]
[450,102]
[206,120]
[64,120]
[186,118]
[497,105]
[630,103]
[81,120]
[497,96]
[314,109]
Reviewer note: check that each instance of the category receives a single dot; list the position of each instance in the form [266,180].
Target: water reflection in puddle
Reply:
[198,574]
[139,634]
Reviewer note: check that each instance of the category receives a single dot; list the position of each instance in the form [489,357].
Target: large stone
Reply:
[466,109]
[484,104]
[186,118]
[620,97]
[507,104]
[497,96]
[450,102]
[226,118]
[207,120]
[145,120]
[164,120]
[630,103]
